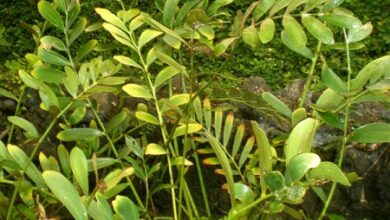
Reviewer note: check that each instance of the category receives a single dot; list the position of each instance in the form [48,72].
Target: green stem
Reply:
[112,145]
[345,130]
[309,78]
[36,147]
[18,106]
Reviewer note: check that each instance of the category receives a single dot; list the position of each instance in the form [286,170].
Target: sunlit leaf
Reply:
[306,52]
[31,131]
[318,29]
[267,30]
[144,116]
[187,129]
[329,171]
[76,134]
[125,208]
[332,80]
[298,166]
[50,41]
[137,91]
[155,149]
[52,57]
[222,46]
[372,133]
[164,75]
[298,115]
[48,74]
[294,31]
[7,94]
[127,61]
[342,20]
[217,4]
[50,14]
[250,36]
[147,36]
[79,166]
[244,193]
[111,18]
[263,147]
[277,104]
[262,8]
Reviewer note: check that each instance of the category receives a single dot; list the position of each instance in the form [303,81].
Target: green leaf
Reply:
[125,208]
[277,104]
[48,74]
[147,36]
[223,46]
[66,193]
[267,30]
[180,99]
[63,157]
[127,61]
[298,166]
[217,4]
[238,139]
[61,4]
[332,80]
[294,31]
[130,14]
[243,193]
[136,23]
[183,12]
[172,41]
[342,20]
[111,18]
[318,29]
[331,119]
[329,171]
[155,149]
[85,49]
[7,94]
[169,12]
[207,112]
[77,30]
[331,5]
[264,149]
[207,31]
[187,129]
[168,60]
[294,4]
[279,5]
[332,216]
[100,163]
[380,87]
[79,165]
[372,133]
[165,75]
[262,7]
[372,72]
[31,131]
[52,57]
[50,14]
[359,33]
[77,115]
[274,180]
[144,116]
[251,37]
[76,134]
[301,138]
[71,81]
[247,150]
[50,41]
[227,131]
[306,52]
[218,123]
[22,160]
[137,91]
[298,115]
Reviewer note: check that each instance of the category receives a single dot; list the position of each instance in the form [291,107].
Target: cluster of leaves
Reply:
[97,161]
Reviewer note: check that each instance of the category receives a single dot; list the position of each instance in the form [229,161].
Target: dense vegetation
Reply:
[141,109]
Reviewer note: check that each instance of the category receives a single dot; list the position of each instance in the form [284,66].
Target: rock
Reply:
[291,94]
[256,85]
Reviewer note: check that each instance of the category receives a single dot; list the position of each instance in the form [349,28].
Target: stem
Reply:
[36,147]
[345,130]
[18,106]
[309,78]
[111,143]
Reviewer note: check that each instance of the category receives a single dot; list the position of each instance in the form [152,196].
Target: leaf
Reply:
[137,91]
[227,131]
[104,206]
[171,41]
[294,31]
[298,166]
[31,131]
[246,151]
[127,61]
[155,149]
[279,5]
[50,41]
[238,139]
[342,20]
[136,23]
[207,31]
[169,12]
[222,46]
[262,8]
[217,4]
[180,99]
[183,12]
[50,14]
[168,60]
[47,74]
[207,112]
[264,149]
[164,75]
[332,80]
[48,163]
[144,116]
[218,123]
[298,115]
[77,30]
[63,157]
[71,81]
[318,29]
[85,49]
[267,30]
[147,36]
[111,18]
[331,119]
[125,208]
[274,180]
[79,165]
[187,129]
[359,33]
[372,133]
[77,115]
[251,37]
[130,14]
[306,52]
[7,94]
[66,193]
[76,134]
[243,193]
[277,104]
[329,171]
[294,4]
[52,57]
[301,138]
[22,160]
[380,87]
[100,163]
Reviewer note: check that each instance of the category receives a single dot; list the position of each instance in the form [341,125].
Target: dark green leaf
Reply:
[332,80]
[274,180]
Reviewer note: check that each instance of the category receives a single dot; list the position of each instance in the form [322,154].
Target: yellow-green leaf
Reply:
[294,31]
[79,166]
[267,30]
[187,129]
[147,36]
[144,116]
[50,14]
[137,91]
[318,29]
[164,75]
[155,149]
[127,61]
